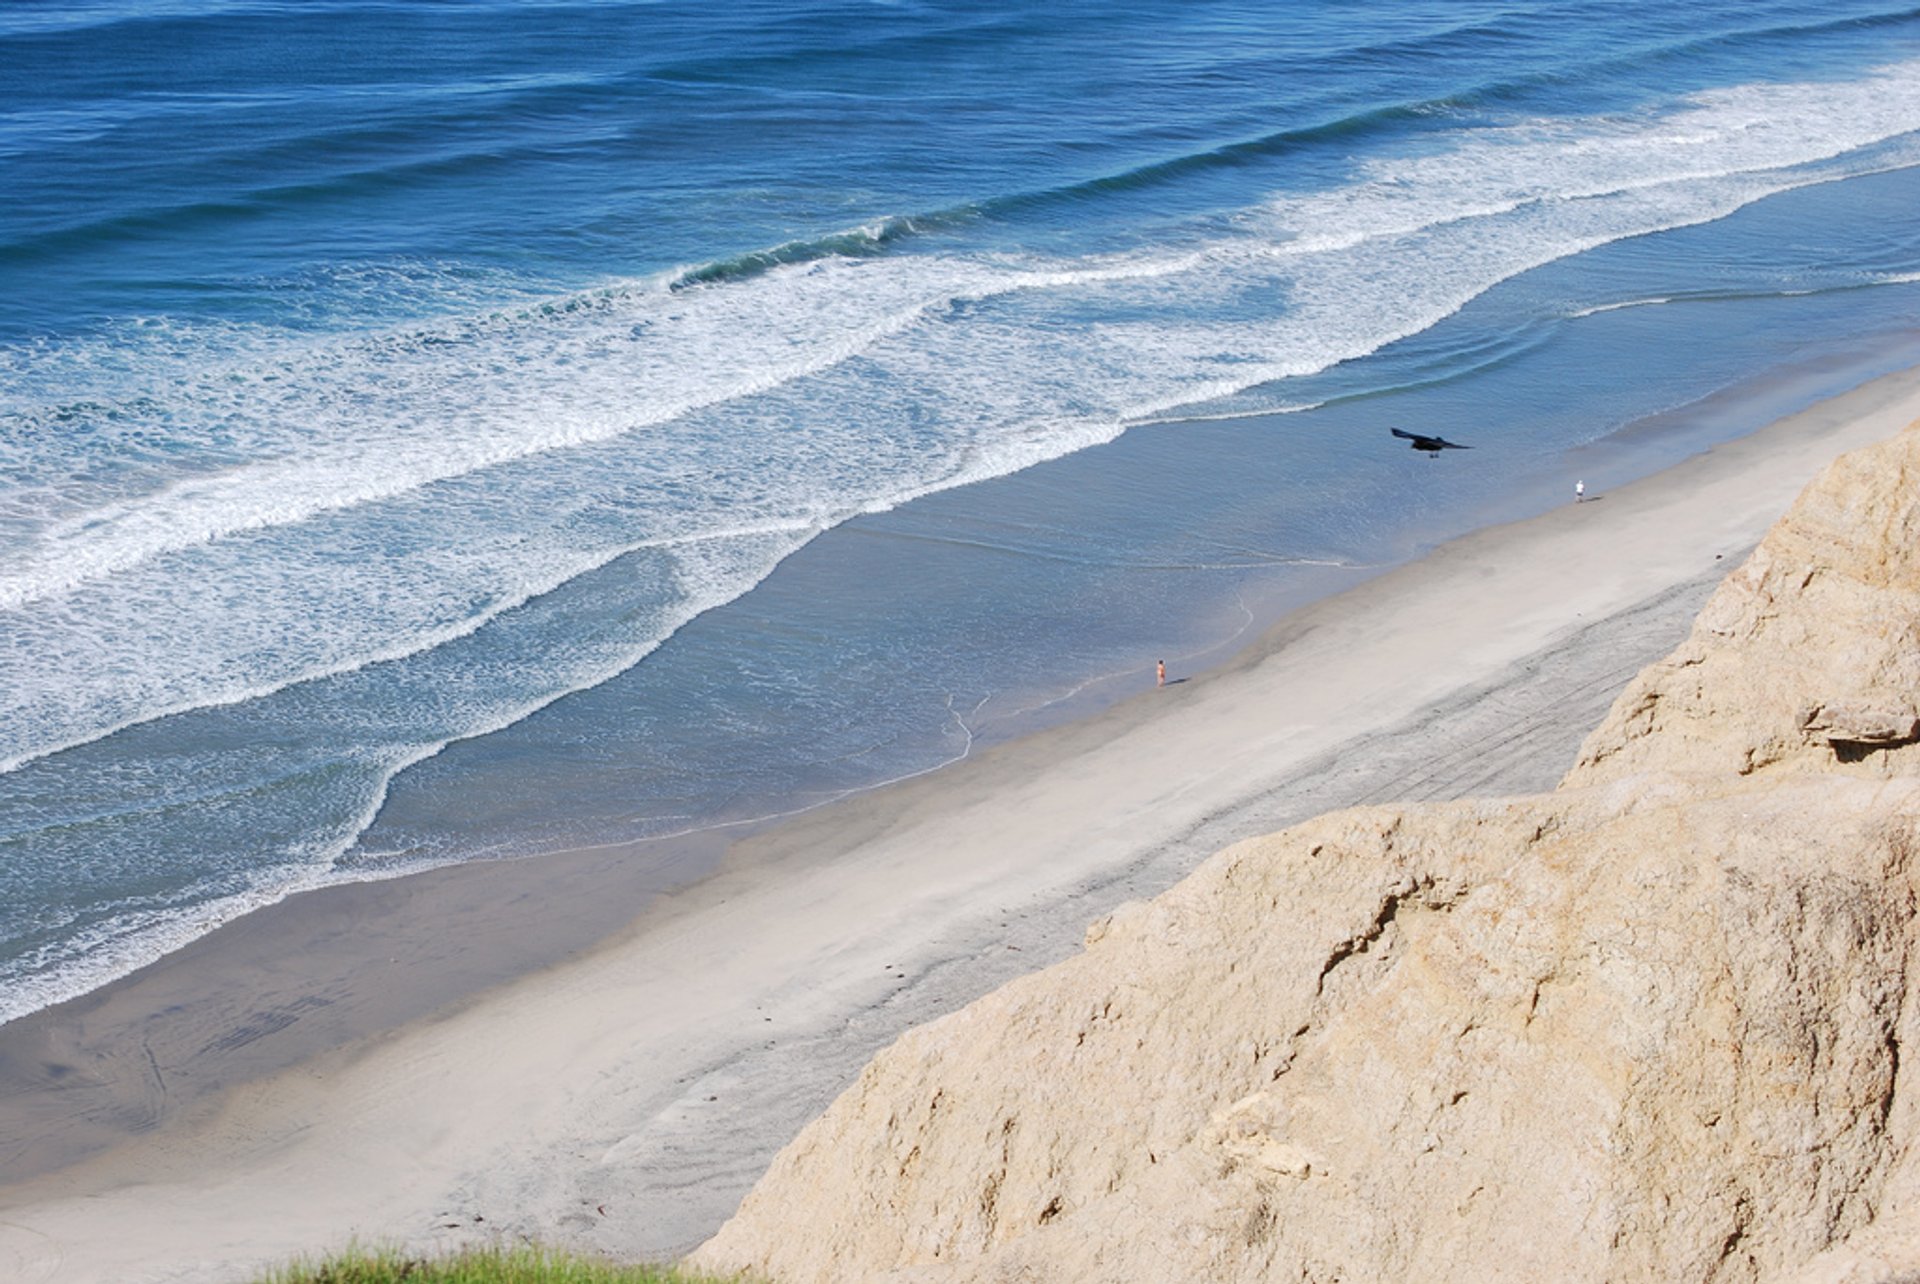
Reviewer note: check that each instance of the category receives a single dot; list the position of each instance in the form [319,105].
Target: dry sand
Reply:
[623,1099]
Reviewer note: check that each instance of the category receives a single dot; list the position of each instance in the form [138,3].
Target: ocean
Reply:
[441,432]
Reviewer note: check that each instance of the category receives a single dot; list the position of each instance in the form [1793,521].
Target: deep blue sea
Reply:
[435,431]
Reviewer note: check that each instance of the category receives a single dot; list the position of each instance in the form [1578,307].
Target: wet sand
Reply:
[559,1048]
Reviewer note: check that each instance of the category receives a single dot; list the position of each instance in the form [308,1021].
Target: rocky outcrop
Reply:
[1808,656]
[1647,1027]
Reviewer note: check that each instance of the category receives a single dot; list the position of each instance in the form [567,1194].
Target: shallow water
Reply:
[403,412]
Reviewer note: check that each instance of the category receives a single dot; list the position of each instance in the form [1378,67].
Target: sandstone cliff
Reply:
[1646,1027]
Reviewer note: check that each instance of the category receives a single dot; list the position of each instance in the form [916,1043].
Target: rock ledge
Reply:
[1646,1027]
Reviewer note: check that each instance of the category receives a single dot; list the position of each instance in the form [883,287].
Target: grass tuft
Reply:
[523,1265]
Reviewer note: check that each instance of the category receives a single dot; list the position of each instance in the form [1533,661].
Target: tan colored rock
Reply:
[1842,726]
[1647,1027]
[1815,637]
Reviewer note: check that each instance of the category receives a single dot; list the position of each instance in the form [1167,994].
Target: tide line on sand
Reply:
[624,1098]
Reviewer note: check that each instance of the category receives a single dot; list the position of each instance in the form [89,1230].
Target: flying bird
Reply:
[1432,445]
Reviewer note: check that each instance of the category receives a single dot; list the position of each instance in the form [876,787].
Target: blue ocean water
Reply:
[432,432]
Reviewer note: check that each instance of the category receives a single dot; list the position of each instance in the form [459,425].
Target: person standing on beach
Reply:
[1580,492]
[1159,673]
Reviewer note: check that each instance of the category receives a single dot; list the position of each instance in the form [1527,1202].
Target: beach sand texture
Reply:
[624,1099]
[1644,1026]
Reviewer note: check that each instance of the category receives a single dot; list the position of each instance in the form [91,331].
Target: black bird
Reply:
[1432,445]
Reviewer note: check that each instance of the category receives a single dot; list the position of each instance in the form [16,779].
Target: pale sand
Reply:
[624,1099]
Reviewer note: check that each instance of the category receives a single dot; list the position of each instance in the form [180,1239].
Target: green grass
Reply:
[476,1266]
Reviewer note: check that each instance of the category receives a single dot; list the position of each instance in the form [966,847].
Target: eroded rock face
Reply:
[1647,1027]
[1814,642]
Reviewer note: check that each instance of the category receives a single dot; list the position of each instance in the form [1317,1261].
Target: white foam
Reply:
[707,571]
[550,577]
[202,515]
[131,941]
[247,510]
[1598,308]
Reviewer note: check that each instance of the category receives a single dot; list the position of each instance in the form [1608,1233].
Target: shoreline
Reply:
[692,850]
[653,1072]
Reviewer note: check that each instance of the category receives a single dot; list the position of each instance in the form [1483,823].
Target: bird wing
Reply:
[1407,435]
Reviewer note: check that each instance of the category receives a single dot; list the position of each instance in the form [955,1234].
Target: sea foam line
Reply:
[1035,446]
[256,497]
[143,944]
[418,645]
[1039,444]
[101,542]
[1023,446]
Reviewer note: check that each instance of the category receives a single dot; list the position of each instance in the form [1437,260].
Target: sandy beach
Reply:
[556,1049]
